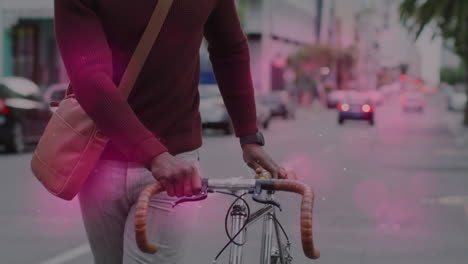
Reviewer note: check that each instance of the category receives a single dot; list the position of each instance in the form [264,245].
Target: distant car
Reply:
[456,98]
[356,106]
[375,97]
[412,101]
[214,113]
[280,104]
[335,97]
[23,114]
[55,93]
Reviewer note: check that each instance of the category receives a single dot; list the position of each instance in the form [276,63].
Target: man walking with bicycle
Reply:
[155,134]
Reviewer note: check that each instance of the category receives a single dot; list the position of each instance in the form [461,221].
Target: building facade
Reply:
[449,58]
[27,43]
[275,29]
[399,46]
[384,45]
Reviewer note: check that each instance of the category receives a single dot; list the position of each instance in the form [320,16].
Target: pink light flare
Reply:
[311,170]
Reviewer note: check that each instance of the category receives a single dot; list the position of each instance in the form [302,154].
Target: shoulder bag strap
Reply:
[144,47]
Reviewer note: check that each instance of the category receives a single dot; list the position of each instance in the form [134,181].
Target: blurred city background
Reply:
[365,99]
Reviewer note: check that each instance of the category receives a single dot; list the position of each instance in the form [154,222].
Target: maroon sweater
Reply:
[96,39]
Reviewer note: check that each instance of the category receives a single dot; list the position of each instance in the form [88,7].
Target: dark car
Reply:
[280,104]
[356,107]
[23,114]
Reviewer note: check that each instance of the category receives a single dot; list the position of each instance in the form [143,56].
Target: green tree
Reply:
[453,75]
[241,6]
[450,18]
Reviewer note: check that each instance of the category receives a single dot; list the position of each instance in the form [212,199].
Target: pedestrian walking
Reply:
[155,133]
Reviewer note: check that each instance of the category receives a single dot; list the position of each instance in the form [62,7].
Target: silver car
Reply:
[456,98]
[214,113]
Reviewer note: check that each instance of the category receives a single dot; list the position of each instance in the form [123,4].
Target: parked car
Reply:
[356,106]
[280,104]
[335,97]
[55,93]
[456,98]
[23,114]
[214,113]
[412,101]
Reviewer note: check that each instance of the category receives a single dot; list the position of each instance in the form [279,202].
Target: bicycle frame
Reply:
[239,218]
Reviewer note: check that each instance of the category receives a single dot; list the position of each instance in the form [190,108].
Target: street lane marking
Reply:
[454,200]
[69,255]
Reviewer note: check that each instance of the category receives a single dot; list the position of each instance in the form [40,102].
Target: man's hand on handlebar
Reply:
[256,158]
[179,177]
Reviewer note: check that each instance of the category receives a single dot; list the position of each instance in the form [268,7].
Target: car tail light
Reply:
[366,108]
[344,107]
[3,107]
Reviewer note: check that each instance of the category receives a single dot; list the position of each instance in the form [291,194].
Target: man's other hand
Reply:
[256,157]
[179,177]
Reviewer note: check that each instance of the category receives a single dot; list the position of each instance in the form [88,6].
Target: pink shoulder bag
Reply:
[71,144]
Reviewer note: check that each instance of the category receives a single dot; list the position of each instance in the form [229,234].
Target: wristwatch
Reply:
[256,138]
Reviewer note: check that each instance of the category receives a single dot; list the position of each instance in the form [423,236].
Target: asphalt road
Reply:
[393,193]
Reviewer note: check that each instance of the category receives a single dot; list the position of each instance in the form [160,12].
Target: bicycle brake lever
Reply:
[258,198]
[202,196]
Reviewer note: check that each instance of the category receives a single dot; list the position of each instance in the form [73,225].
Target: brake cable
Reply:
[231,239]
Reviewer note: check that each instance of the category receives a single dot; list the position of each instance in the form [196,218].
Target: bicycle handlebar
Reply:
[234,184]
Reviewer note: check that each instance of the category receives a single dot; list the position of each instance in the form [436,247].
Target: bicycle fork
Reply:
[267,234]
[238,216]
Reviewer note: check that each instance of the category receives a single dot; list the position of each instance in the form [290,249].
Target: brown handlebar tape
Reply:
[280,185]
[307,205]
[141,215]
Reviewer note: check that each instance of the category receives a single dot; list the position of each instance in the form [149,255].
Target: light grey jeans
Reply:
[107,202]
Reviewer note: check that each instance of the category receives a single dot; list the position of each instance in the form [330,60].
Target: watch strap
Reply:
[256,138]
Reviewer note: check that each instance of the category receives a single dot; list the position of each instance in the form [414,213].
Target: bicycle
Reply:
[241,217]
